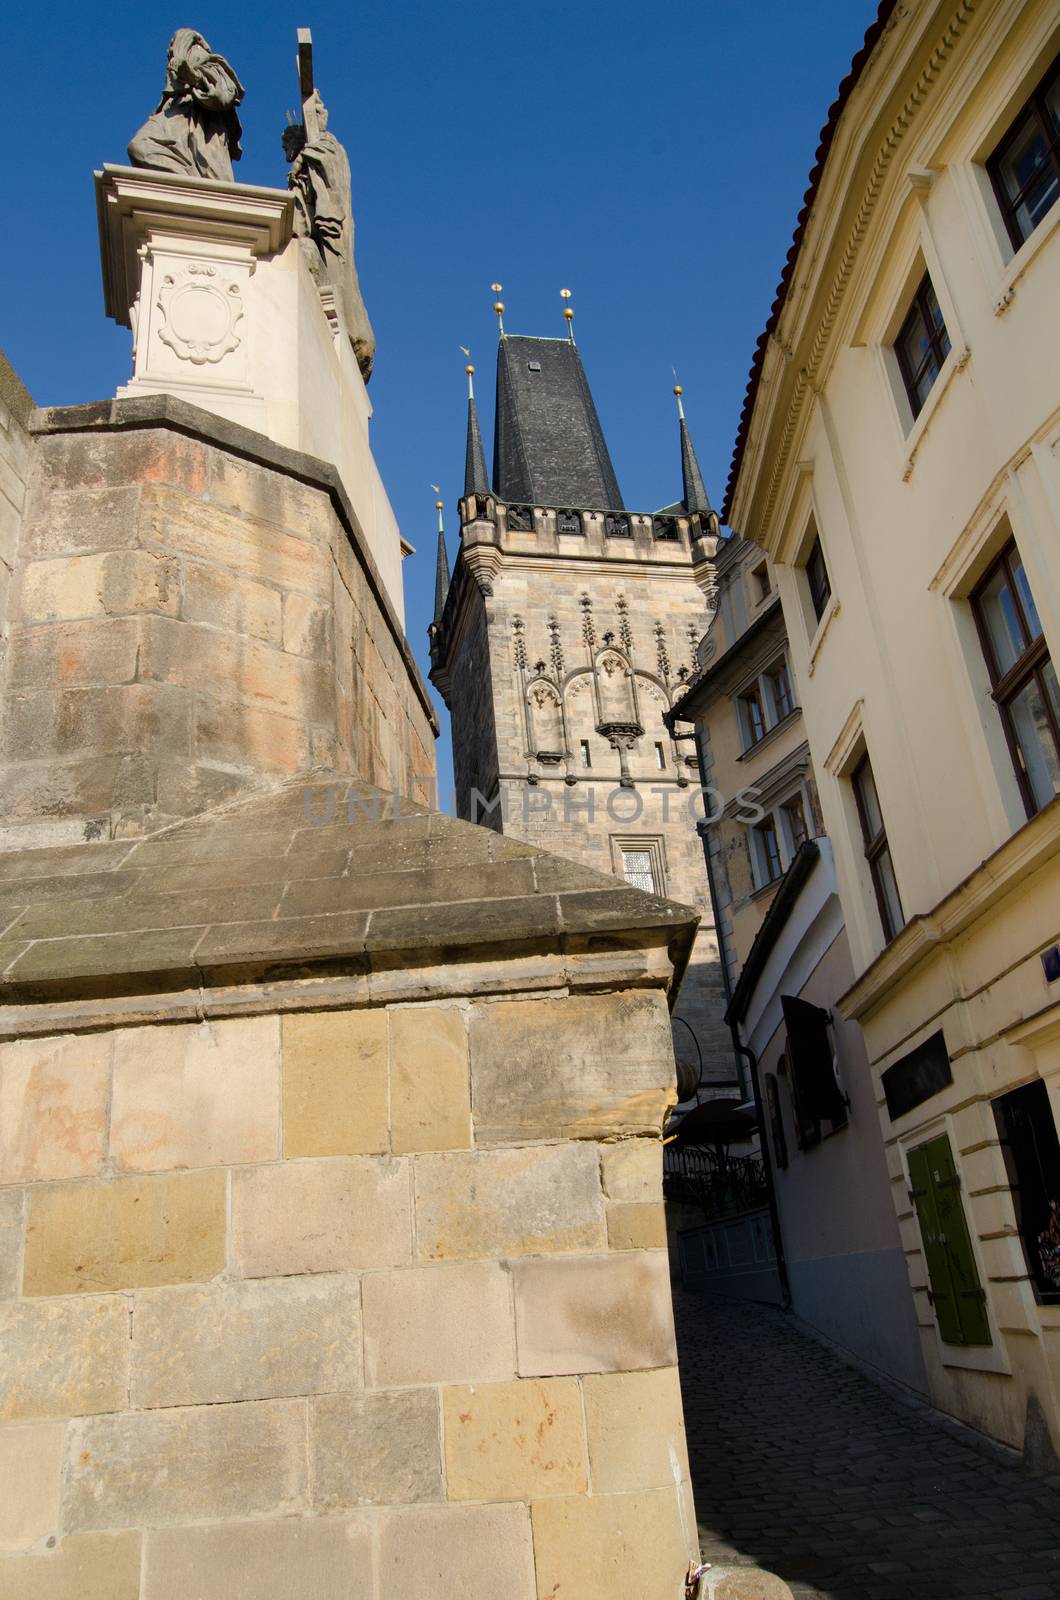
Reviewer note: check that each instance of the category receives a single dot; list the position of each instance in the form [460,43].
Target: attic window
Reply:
[533,366]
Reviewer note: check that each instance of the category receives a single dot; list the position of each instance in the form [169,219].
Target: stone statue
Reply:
[320,177]
[194,127]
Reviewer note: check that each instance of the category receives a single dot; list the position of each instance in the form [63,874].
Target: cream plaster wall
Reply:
[910,514]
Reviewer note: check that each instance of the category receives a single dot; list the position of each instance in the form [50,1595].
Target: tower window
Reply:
[660,759]
[587,759]
[1025,167]
[922,345]
[533,366]
[637,869]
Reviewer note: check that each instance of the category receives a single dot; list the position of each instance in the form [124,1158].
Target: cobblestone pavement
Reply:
[804,1466]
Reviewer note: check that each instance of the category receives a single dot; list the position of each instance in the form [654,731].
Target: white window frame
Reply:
[652,845]
[788,849]
[771,718]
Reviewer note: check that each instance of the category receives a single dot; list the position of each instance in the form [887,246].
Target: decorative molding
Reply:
[200,318]
[808,375]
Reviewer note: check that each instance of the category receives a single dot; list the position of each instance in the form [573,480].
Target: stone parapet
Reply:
[195,614]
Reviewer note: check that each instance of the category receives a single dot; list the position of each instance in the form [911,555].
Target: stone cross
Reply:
[310,117]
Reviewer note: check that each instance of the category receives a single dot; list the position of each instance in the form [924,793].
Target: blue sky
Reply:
[652,158]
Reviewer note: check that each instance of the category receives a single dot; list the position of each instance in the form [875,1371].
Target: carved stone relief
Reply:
[201,312]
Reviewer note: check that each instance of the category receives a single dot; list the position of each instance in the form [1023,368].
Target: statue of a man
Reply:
[194,127]
[320,176]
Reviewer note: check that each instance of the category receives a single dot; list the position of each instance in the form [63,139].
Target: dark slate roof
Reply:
[873,35]
[441,577]
[548,446]
[476,478]
[255,891]
[695,490]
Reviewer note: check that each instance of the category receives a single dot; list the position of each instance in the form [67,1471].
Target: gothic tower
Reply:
[567,628]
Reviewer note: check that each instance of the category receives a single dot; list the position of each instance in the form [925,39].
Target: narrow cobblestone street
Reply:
[804,1466]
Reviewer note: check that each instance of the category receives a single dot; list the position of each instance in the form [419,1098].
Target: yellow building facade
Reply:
[898,463]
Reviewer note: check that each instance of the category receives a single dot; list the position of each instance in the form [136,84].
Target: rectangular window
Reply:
[956,1293]
[1023,677]
[767,850]
[877,850]
[660,759]
[638,870]
[922,345]
[1032,1155]
[780,688]
[795,817]
[587,759]
[760,583]
[1025,167]
[817,578]
[753,716]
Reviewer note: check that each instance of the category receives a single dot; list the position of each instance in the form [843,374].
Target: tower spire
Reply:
[476,478]
[696,497]
[441,575]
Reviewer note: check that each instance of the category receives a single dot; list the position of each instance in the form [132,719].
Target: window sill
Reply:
[818,639]
[1017,265]
[767,737]
[955,362]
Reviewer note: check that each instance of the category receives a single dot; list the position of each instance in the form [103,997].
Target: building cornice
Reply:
[778,390]
[1001,874]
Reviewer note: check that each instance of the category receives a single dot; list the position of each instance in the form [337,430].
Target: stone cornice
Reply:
[1001,874]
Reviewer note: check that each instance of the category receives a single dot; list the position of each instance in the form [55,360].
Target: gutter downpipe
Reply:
[742,1050]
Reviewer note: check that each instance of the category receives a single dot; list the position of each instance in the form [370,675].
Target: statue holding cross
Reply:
[320,176]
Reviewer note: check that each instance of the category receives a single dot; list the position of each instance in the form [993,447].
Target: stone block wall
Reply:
[361,1303]
[191,619]
[15,409]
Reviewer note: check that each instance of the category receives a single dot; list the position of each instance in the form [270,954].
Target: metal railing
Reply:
[725,1186]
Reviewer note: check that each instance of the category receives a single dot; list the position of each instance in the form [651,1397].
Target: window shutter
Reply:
[810,1054]
[956,1293]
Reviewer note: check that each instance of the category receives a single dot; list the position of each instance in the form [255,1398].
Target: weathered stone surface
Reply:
[508,1202]
[131,1232]
[293,1559]
[636,1227]
[245,1341]
[613,1071]
[464,1551]
[237,604]
[196,1095]
[101,650]
[376,1449]
[594,1314]
[305,626]
[444,1324]
[64,1357]
[89,1566]
[12,1213]
[115,584]
[31,1457]
[605,1545]
[226,730]
[321,1216]
[335,1083]
[430,1083]
[165,1467]
[746,1583]
[636,1430]
[175,521]
[632,1170]
[53,1106]
[514,1441]
[190,654]
[77,520]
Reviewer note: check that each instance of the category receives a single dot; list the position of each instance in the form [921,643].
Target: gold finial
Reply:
[678,392]
[568,314]
[470,370]
[498,306]
[439,506]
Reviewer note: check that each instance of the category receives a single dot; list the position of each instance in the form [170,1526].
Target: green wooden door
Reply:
[956,1293]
